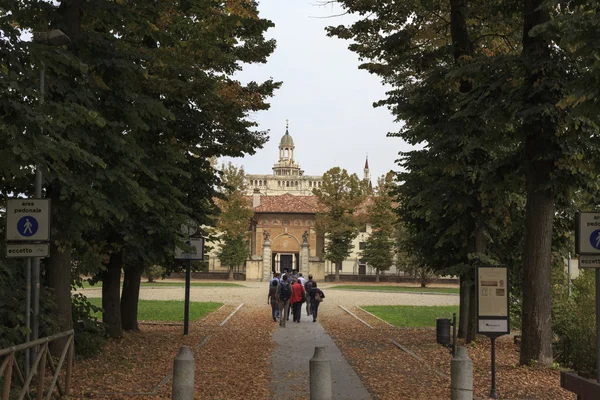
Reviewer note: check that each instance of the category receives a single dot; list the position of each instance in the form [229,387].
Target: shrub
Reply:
[574,322]
[90,333]
[153,272]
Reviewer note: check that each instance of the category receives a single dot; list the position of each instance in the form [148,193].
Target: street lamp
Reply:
[55,37]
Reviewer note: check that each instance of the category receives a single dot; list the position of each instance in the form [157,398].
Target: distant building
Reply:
[283,235]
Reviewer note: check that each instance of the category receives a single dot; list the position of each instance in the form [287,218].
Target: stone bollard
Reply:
[320,376]
[183,375]
[461,375]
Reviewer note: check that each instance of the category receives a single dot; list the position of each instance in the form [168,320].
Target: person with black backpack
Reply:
[316,297]
[307,286]
[283,295]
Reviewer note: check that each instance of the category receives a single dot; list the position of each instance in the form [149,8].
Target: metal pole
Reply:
[27,312]
[453,334]
[186,312]
[493,394]
[597,324]
[569,275]
[35,260]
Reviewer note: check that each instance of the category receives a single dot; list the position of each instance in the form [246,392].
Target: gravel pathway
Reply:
[255,294]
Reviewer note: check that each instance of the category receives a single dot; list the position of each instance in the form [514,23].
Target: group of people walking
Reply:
[290,292]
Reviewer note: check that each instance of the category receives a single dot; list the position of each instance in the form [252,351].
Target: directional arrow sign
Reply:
[28,220]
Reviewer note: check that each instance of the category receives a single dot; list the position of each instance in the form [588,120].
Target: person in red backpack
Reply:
[297,300]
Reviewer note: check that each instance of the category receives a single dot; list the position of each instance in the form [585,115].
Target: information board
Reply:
[195,253]
[492,300]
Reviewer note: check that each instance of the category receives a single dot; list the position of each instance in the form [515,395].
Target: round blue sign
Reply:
[595,239]
[27,226]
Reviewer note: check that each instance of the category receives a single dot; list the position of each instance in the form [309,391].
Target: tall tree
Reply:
[136,114]
[234,219]
[380,246]
[341,195]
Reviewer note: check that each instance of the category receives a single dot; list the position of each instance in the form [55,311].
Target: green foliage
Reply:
[574,321]
[380,245]
[341,195]
[234,219]
[90,334]
[136,107]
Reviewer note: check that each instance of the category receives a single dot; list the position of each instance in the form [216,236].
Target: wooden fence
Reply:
[41,362]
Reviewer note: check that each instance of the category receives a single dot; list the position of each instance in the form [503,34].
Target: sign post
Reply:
[493,317]
[587,244]
[196,252]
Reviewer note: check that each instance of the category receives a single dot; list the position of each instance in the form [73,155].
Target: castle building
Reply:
[283,234]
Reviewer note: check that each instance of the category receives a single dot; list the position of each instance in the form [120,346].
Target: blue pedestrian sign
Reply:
[28,220]
[27,226]
[595,239]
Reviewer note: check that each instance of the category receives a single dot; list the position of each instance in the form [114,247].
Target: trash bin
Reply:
[442,331]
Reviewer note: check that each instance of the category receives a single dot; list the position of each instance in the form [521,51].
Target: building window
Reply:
[361,245]
[296,183]
[286,221]
[287,184]
[363,229]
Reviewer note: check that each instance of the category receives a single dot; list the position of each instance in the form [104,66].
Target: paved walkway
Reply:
[291,361]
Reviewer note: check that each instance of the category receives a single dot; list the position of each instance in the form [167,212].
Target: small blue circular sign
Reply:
[27,226]
[595,239]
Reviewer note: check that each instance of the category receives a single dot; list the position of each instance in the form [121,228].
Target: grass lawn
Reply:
[86,285]
[397,288]
[166,310]
[412,316]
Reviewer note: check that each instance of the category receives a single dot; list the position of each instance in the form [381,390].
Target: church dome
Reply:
[286,140]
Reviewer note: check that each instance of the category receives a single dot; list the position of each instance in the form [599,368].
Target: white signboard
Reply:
[492,301]
[197,252]
[588,233]
[27,250]
[589,261]
[28,220]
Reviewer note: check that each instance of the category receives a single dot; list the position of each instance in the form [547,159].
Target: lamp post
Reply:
[55,37]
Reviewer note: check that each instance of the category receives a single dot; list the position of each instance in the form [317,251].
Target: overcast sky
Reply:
[326,98]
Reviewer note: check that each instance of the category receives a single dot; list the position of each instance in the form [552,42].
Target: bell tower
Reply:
[286,165]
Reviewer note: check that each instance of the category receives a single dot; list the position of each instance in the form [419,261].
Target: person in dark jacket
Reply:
[307,286]
[272,299]
[316,296]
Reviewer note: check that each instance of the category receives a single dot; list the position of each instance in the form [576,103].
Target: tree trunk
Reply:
[130,298]
[230,276]
[463,312]
[377,275]
[111,282]
[539,127]
[537,269]
[338,264]
[58,278]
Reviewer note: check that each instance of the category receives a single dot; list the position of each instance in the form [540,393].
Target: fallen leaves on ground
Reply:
[391,373]
[232,361]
